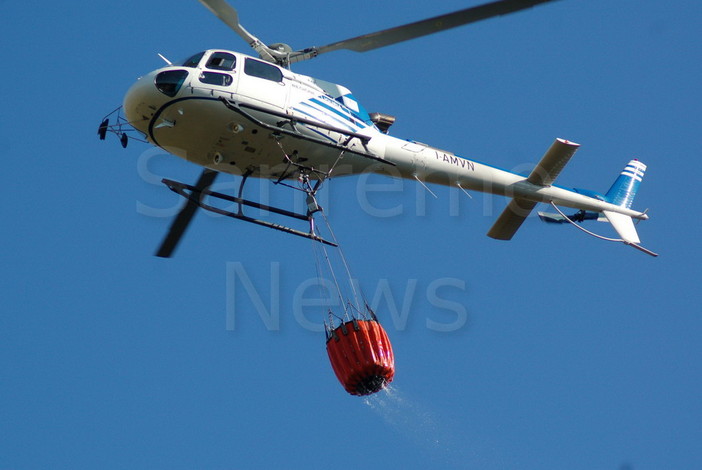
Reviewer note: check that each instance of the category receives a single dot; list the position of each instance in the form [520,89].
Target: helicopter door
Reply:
[263,82]
[220,71]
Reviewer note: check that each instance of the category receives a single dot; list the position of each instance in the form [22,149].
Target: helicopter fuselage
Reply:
[241,115]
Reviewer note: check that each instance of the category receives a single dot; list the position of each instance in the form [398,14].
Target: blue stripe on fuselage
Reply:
[348,116]
[336,120]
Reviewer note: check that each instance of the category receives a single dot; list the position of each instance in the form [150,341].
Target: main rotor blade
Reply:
[433,25]
[228,14]
[182,220]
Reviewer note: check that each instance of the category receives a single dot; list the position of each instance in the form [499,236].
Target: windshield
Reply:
[193,61]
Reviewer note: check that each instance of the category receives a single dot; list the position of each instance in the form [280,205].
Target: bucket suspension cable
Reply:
[355,291]
[353,302]
[321,256]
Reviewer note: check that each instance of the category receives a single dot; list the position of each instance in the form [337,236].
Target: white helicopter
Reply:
[254,117]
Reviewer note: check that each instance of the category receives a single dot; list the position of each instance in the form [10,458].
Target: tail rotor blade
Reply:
[182,220]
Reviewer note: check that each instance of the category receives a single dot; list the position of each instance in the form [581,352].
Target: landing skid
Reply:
[197,196]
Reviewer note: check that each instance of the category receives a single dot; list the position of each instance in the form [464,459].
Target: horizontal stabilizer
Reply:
[511,219]
[543,174]
[553,161]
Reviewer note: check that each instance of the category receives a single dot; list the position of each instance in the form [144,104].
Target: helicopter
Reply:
[252,116]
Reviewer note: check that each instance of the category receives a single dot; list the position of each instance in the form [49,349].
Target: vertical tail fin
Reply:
[627,183]
[622,194]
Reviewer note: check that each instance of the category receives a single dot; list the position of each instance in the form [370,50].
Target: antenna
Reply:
[165,60]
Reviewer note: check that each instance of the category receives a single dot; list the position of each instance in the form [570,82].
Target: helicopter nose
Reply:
[139,105]
[145,97]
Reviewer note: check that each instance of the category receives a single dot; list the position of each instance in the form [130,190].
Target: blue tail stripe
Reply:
[626,185]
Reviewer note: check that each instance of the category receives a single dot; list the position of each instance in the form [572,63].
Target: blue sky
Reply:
[551,351]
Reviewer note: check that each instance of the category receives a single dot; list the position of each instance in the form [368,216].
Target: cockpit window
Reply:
[194,60]
[214,78]
[259,69]
[221,61]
